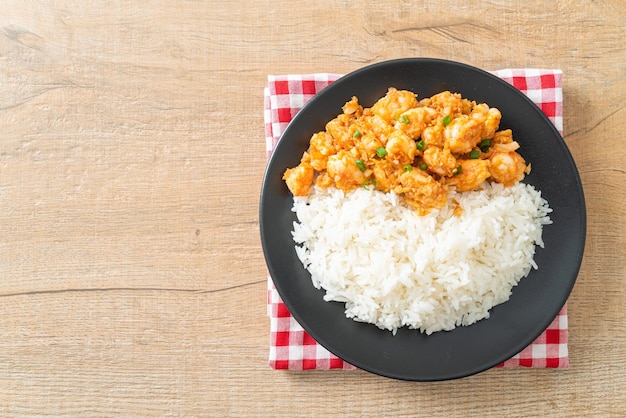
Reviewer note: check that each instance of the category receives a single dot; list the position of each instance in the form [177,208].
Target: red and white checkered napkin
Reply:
[290,346]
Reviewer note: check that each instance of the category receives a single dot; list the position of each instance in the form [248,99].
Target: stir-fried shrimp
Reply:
[417,149]
[344,171]
[421,191]
[503,137]
[353,107]
[385,177]
[433,135]
[395,103]
[488,118]
[375,125]
[446,103]
[320,148]
[299,179]
[440,161]
[462,134]
[414,121]
[470,174]
[507,167]
[338,128]
[400,148]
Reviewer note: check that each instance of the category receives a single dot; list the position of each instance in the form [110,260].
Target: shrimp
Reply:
[503,142]
[440,161]
[353,107]
[320,147]
[299,179]
[488,118]
[394,103]
[338,128]
[469,175]
[414,121]
[422,191]
[433,136]
[503,137]
[342,168]
[507,167]
[367,146]
[462,134]
[400,148]
[385,175]
[492,123]
[447,104]
[376,126]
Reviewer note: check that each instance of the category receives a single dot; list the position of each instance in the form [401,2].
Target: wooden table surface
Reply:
[132,280]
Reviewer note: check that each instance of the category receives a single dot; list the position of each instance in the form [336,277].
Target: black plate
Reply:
[411,355]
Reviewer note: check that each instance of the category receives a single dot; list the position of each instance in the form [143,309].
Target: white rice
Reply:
[393,268]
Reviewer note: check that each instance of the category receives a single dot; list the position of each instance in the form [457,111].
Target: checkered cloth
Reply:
[290,346]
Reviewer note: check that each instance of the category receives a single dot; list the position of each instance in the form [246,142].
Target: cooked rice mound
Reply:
[393,268]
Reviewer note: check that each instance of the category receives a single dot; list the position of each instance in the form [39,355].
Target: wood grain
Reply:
[132,280]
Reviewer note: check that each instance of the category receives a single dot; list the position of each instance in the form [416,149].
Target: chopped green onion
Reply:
[360,164]
[446,120]
[421,144]
[457,170]
[484,145]
[356,134]
[407,168]
[367,182]
[474,155]
[381,152]
[424,166]
[404,119]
